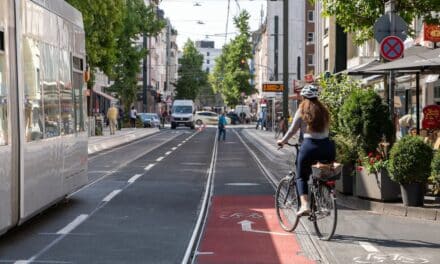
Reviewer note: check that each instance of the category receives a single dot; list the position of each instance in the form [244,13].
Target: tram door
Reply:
[6,180]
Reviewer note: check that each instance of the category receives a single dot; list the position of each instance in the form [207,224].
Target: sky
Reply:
[208,21]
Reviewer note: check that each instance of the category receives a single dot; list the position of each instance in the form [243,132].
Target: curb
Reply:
[118,140]
[389,209]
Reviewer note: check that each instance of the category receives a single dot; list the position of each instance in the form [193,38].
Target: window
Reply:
[66,95]
[325,64]
[2,41]
[33,103]
[207,53]
[326,24]
[311,37]
[207,69]
[207,61]
[437,93]
[3,95]
[310,59]
[311,16]
[78,99]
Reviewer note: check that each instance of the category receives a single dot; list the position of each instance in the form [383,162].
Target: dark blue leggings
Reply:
[312,151]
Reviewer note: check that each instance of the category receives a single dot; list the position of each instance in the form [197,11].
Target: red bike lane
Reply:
[245,229]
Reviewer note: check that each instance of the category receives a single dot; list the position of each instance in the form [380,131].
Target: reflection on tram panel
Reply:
[43,129]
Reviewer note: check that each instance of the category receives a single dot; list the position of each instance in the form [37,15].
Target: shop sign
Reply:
[309,78]
[431,117]
[276,87]
[431,33]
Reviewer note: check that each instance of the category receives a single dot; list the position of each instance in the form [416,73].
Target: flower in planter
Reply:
[375,161]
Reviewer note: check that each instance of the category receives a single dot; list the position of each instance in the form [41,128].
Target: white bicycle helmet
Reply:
[310,91]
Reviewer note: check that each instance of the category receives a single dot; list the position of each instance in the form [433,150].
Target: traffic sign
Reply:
[273,87]
[391,48]
[383,27]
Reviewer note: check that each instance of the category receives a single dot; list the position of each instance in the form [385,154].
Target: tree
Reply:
[359,16]
[191,76]
[102,24]
[231,74]
[138,19]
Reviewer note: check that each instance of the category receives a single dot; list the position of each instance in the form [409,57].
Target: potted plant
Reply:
[410,166]
[365,117]
[346,154]
[435,173]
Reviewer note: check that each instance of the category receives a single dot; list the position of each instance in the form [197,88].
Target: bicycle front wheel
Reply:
[286,204]
[325,212]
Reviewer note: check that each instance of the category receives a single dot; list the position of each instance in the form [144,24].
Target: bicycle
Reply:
[279,128]
[323,210]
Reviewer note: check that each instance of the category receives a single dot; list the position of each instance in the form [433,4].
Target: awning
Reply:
[106,96]
[432,78]
[427,61]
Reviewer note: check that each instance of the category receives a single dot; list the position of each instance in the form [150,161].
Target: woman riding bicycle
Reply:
[313,119]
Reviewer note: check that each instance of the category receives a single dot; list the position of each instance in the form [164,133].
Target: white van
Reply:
[243,111]
[182,114]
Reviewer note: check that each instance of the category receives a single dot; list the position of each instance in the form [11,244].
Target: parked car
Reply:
[206,117]
[149,119]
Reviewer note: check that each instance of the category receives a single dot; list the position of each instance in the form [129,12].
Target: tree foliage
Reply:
[191,75]
[102,24]
[138,19]
[231,74]
[359,16]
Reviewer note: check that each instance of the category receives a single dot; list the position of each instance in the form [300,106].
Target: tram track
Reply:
[191,251]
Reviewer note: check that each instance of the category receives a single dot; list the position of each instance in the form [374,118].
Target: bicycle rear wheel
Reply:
[286,204]
[325,212]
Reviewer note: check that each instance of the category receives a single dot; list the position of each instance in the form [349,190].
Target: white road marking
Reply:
[168,153]
[134,178]
[174,148]
[159,159]
[111,195]
[242,184]
[246,226]
[72,225]
[204,253]
[149,167]
[368,246]
[179,145]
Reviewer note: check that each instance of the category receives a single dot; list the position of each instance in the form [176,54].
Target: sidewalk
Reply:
[126,135]
[431,210]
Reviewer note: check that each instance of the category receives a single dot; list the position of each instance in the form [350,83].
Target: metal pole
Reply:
[276,34]
[418,103]
[285,60]
[144,75]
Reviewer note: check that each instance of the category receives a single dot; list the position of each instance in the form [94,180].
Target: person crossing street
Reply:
[222,126]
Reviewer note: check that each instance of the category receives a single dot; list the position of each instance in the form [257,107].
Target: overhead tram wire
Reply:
[227,21]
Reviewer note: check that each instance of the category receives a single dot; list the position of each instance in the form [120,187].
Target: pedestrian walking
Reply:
[260,120]
[133,115]
[405,123]
[222,126]
[120,117]
[112,116]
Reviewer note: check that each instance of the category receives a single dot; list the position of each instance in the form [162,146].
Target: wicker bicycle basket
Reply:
[327,172]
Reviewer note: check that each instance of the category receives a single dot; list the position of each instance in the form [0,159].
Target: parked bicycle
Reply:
[279,127]
[323,209]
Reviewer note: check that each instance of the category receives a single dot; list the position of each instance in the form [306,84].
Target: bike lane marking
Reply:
[245,229]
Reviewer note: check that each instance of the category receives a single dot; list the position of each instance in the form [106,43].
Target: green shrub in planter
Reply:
[435,172]
[346,149]
[410,161]
[363,115]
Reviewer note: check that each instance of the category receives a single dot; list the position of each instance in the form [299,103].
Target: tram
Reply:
[43,126]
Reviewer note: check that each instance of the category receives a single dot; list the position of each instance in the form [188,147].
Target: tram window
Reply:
[3,101]
[33,105]
[51,97]
[78,100]
[2,41]
[67,105]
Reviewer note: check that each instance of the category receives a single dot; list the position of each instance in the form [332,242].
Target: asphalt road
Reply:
[144,198]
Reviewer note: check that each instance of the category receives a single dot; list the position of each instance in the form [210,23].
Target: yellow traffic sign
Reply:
[273,87]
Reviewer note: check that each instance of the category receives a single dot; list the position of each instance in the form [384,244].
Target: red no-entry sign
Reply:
[391,48]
